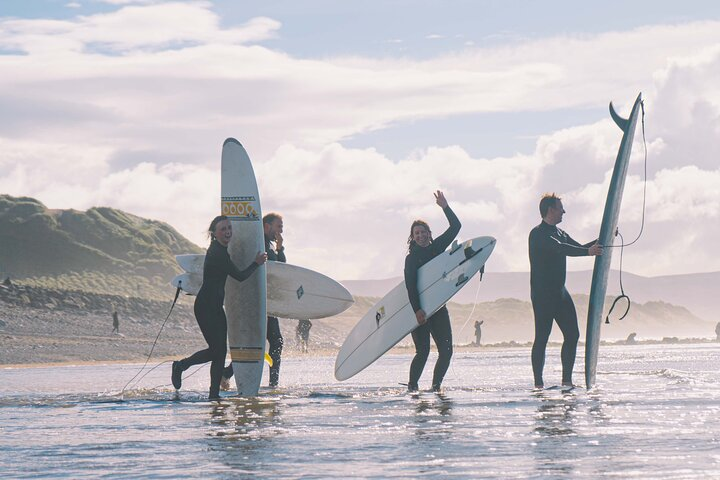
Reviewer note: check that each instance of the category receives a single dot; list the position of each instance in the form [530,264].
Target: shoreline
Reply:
[329,352]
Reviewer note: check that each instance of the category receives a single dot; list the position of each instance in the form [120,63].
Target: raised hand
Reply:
[440,199]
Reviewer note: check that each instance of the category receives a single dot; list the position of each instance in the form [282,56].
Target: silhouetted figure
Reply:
[631,339]
[717,331]
[478,331]
[549,248]
[303,330]
[7,282]
[116,322]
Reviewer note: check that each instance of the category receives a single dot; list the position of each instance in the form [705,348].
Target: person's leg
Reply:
[441,331]
[421,339]
[275,339]
[203,316]
[543,313]
[218,351]
[567,321]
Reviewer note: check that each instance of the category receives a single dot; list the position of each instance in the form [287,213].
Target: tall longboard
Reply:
[392,318]
[245,302]
[292,292]
[601,269]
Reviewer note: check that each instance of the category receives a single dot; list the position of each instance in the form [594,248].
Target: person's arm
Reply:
[553,244]
[411,278]
[444,240]
[241,275]
[593,247]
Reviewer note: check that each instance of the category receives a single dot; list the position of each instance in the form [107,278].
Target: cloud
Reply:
[131,28]
[101,110]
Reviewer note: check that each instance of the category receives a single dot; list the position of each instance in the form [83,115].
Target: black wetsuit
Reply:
[274,336]
[548,247]
[210,314]
[438,325]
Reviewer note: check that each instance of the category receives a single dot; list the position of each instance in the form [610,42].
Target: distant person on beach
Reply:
[209,310]
[548,247]
[717,331]
[303,330]
[478,331]
[116,322]
[273,228]
[421,249]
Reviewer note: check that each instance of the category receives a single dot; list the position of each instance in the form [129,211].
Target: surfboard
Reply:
[392,318]
[293,292]
[601,269]
[245,302]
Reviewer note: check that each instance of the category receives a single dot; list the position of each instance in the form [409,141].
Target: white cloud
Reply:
[101,110]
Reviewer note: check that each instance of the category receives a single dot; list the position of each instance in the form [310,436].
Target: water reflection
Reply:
[556,450]
[555,415]
[433,416]
[241,431]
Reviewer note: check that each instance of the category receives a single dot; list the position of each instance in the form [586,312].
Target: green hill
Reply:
[101,250]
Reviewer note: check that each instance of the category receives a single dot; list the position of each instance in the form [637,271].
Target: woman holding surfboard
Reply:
[209,304]
[421,249]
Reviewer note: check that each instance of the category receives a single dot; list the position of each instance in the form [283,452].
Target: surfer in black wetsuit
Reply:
[209,304]
[421,249]
[548,247]
[273,227]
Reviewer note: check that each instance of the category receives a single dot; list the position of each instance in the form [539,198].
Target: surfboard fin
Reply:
[619,121]
[469,252]
[454,247]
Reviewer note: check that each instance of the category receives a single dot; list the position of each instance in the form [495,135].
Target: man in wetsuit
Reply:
[273,228]
[548,247]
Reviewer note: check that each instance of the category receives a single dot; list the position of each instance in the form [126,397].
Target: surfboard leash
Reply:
[642,227]
[177,294]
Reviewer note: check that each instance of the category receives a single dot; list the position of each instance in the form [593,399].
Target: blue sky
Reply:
[354,112]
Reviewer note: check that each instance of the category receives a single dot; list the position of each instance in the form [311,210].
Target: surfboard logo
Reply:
[240,208]
[300,292]
[379,315]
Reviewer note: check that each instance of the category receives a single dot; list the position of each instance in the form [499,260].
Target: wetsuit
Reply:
[274,336]
[438,325]
[210,314]
[548,247]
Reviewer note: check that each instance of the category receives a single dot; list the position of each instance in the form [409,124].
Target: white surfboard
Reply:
[245,305]
[392,318]
[293,292]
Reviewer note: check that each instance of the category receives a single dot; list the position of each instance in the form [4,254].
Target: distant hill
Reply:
[696,291]
[101,250]
[510,319]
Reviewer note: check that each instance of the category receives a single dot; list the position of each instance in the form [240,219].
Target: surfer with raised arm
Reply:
[548,247]
[421,249]
[209,304]
[273,228]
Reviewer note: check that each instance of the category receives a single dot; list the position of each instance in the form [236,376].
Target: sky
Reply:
[354,113]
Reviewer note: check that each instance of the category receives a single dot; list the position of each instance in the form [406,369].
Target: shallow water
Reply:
[654,414]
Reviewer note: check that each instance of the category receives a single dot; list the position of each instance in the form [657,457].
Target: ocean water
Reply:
[654,414]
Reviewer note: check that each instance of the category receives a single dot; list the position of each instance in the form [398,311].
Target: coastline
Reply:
[327,351]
